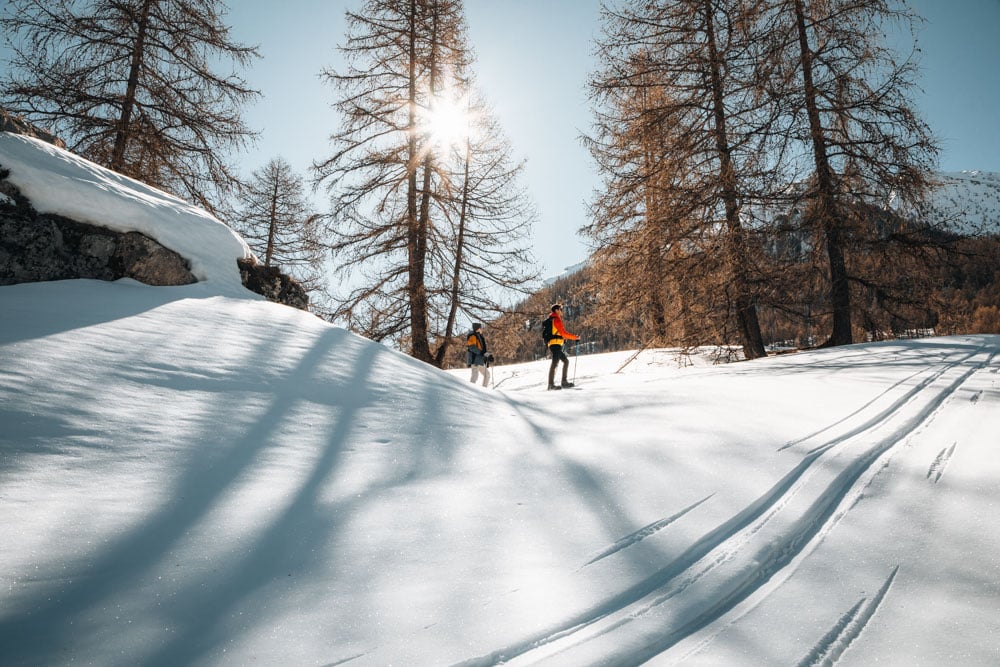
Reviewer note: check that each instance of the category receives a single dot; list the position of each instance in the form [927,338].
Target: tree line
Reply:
[761,161]
[750,151]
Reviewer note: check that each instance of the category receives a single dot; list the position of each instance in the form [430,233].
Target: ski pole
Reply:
[576,360]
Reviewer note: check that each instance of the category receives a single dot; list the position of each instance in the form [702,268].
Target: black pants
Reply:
[557,356]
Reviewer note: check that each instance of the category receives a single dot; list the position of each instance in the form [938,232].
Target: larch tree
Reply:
[864,151]
[681,77]
[482,250]
[376,177]
[134,86]
[275,219]
[404,214]
[636,233]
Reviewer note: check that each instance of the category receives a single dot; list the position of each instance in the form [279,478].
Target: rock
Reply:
[36,247]
[272,284]
[145,260]
[17,125]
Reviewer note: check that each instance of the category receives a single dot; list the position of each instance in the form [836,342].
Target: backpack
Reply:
[547,329]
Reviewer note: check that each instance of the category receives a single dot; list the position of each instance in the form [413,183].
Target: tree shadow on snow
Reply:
[196,612]
[51,308]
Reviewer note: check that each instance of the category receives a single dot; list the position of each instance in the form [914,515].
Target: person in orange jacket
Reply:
[559,335]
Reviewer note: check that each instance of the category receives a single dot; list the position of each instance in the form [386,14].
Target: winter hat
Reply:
[556,306]
[476,326]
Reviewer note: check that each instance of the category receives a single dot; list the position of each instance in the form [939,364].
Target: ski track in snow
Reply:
[847,418]
[847,629]
[739,557]
[941,461]
[644,532]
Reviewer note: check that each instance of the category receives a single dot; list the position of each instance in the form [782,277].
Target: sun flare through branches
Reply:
[447,122]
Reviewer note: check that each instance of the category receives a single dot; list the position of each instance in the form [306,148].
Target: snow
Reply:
[567,271]
[191,475]
[967,202]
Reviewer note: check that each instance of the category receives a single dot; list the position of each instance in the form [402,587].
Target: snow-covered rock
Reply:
[59,182]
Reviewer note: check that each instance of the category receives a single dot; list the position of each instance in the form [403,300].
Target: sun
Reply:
[448,122]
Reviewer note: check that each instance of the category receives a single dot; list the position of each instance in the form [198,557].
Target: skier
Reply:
[557,335]
[476,355]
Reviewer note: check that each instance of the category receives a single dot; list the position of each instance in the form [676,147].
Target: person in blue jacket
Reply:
[477,357]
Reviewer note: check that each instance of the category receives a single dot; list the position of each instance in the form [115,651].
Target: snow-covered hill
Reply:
[178,488]
[968,201]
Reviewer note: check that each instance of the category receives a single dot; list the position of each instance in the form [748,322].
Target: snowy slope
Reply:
[191,476]
[177,489]
[968,201]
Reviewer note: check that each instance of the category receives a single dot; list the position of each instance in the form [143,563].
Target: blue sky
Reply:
[534,57]
[960,58]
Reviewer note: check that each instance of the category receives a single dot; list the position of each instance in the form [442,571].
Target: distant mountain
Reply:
[568,271]
[966,201]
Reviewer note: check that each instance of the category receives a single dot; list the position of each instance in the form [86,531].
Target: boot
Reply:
[565,382]
[552,378]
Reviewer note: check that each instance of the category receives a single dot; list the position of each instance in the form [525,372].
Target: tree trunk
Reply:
[746,311]
[652,145]
[272,227]
[826,208]
[417,232]
[456,276]
[122,133]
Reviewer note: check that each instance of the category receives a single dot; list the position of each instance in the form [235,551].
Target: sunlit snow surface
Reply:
[193,476]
